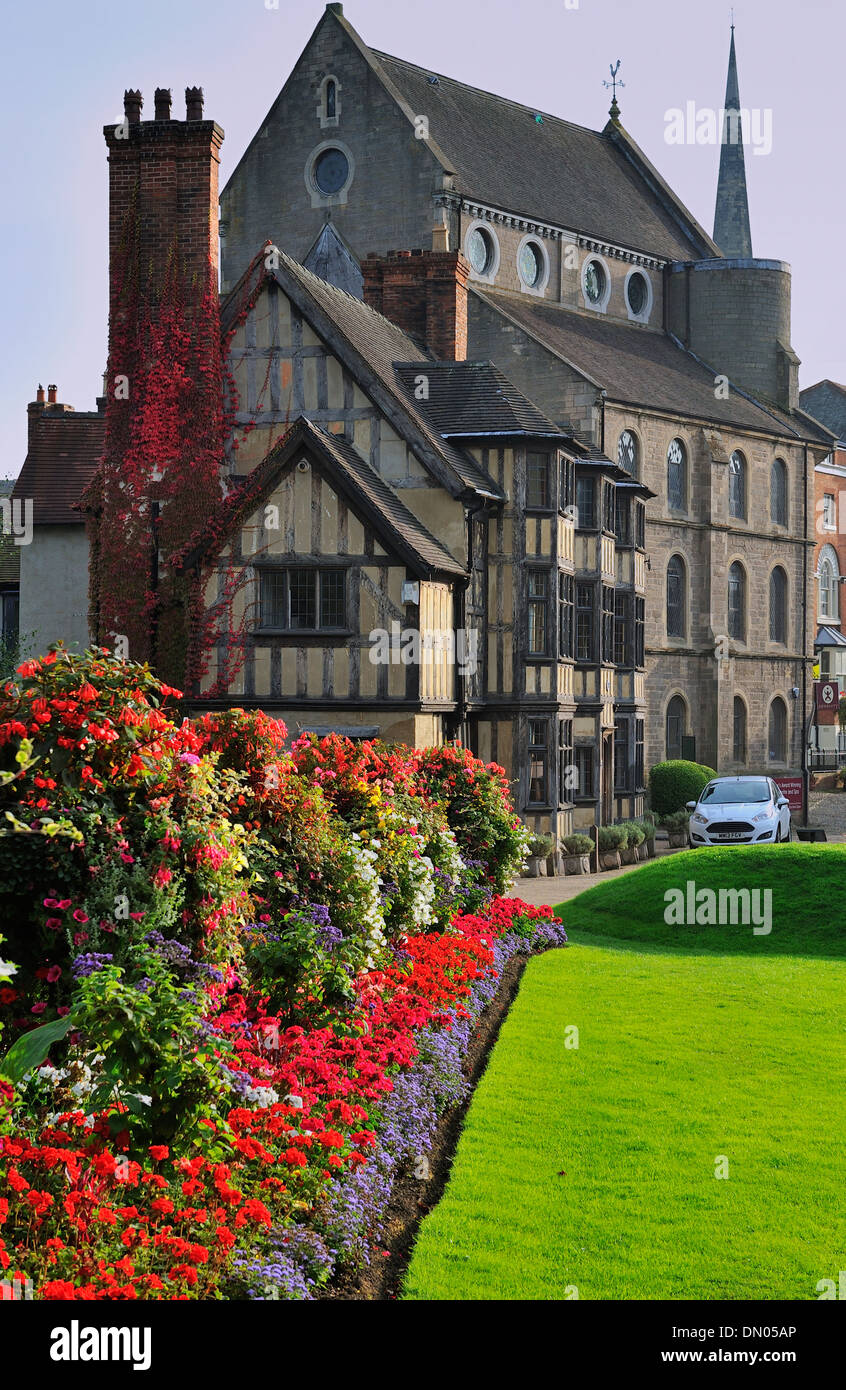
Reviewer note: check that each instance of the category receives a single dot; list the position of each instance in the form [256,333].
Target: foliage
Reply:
[673,783]
[577,844]
[676,820]
[541,846]
[611,837]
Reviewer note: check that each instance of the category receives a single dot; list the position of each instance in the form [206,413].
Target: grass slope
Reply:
[594,1168]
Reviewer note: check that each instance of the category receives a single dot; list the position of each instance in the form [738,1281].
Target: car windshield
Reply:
[736,793]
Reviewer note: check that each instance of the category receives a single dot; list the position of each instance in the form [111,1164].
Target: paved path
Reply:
[560,888]
[828,809]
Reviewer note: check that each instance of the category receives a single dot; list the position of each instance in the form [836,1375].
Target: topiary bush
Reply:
[672,784]
[611,837]
[577,844]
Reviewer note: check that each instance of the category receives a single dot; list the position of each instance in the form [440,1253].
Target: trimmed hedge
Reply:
[577,844]
[673,783]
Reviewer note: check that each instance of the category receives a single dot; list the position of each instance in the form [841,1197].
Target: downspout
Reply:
[805,730]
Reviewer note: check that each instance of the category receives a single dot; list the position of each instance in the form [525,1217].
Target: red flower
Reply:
[159,1151]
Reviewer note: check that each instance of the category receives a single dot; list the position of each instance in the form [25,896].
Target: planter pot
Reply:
[553,864]
[650,847]
[810,832]
[577,864]
[643,850]
[677,839]
[629,855]
[609,858]
[533,864]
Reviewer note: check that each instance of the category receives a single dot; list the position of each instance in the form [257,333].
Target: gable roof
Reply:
[643,367]
[63,453]
[474,399]
[369,345]
[346,469]
[826,402]
[586,180]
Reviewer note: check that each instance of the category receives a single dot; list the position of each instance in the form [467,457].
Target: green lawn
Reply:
[594,1168]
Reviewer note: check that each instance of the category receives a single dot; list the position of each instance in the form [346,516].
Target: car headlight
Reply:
[700,820]
[763,815]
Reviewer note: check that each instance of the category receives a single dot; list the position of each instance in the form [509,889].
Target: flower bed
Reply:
[258,972]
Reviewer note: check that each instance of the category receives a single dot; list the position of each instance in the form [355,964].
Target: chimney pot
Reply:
[193,103]
[162,103]
[132,103]
[51,395]
[39,395]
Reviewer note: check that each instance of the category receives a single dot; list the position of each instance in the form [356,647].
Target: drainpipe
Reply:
[805,773]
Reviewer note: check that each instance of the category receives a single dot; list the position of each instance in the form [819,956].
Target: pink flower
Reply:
[62,1010]
[54,974]
[63,903]
[80,936]
[80,915]
[54,923]
[38,1008]
[189,758]
[51,902]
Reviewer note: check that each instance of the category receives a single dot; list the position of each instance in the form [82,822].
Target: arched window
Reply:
[778,731]
[828,571]
[628,453]
[778,605]
[778,493]
[677,476]
[739,731]
[676,725]
[331,95]
[737,601]
[676,597]
[737,486]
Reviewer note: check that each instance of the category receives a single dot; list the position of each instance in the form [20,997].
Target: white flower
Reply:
[7,969]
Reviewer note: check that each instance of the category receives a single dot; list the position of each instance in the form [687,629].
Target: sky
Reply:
[65,66]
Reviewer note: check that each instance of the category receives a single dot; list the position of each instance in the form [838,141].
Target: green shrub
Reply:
[577,844]
[541,846]
[676,782]
[611,837]
[635,834]
[675,820]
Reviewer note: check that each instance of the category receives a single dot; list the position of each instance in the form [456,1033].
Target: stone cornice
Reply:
[497,216]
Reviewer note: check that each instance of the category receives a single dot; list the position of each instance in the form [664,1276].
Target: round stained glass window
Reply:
[637,293]
[480,251]
[530,264]
[595,281]
[331,171]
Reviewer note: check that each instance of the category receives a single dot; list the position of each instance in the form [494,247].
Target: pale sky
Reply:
[65,64]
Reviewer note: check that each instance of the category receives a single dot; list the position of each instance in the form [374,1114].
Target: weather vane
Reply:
[614,84]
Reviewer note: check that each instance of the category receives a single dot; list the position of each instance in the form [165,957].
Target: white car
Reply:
[739,811]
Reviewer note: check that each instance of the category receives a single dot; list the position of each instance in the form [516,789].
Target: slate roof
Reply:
[829,637]
[10,554]
[369,493]
[639,366]
[65,447]
[472,399]
[554,171]
[826,402]
[376,341]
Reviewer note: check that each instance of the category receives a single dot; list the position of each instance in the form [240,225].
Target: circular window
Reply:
[530,264]
[637,293]
[331,170]
[480,252]
[595,282]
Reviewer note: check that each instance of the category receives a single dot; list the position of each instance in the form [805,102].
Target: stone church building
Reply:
[518,456]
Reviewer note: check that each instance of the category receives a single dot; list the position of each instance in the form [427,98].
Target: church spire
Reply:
[731,218]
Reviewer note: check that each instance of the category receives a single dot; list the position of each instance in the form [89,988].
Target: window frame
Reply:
[682,465]
[676,566]
[535,747]
[741,585]
[778,605]
[537,602]
[738,490]
[319,573]
[778,469]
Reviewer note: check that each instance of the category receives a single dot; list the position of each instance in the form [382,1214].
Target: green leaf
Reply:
[30,1050]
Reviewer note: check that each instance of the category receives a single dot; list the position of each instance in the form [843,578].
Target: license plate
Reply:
[735,835]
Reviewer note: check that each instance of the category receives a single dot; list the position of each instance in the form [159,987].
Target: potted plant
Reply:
[540,848]
[612,838]
[577,850]
[635,837]
[628,849]
[676,825]
[648,823]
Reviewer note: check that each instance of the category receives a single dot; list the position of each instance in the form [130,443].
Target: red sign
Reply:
[828,699]
[791,787]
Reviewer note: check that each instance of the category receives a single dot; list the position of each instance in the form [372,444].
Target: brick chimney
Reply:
[163,195]
[425,294]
